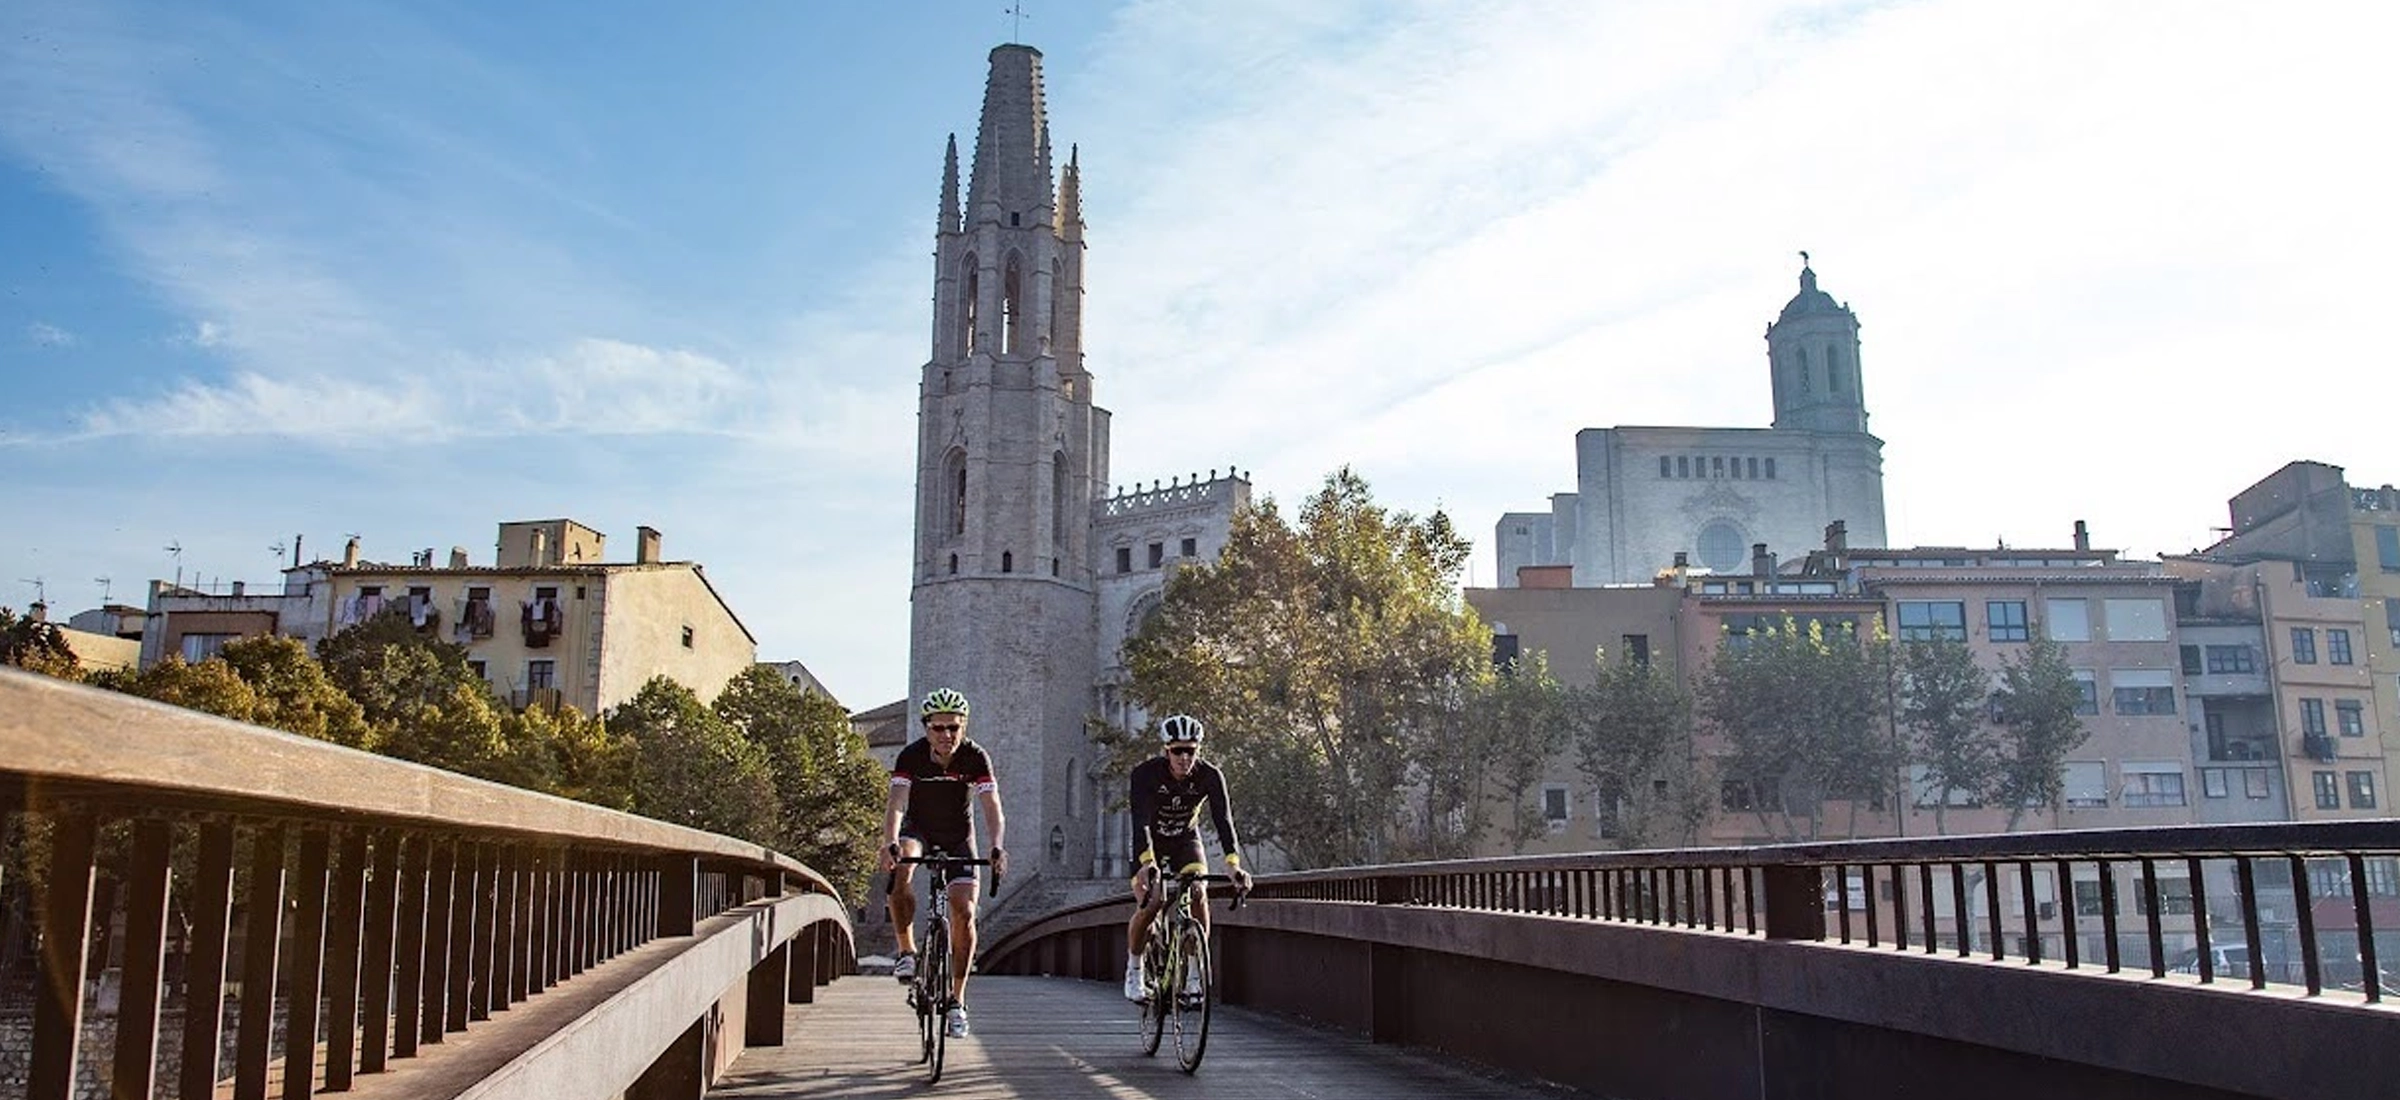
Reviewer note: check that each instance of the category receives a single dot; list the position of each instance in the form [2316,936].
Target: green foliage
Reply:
[693,768]
[574,754]
[830,798]
[1632,734]
[394,671]
[36,645]
[293,693]
[2036,704]
[1801,708]
[1328,659]
[1943,699]
[1521,721]
[212,687]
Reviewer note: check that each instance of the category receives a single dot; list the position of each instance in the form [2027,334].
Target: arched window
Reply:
[969,303]
[953,565]
[1801,354]
[1012,309]
[1058,502]
[954,479]
[1074,787]
[1008,561]
[1058,293]
[1833,370]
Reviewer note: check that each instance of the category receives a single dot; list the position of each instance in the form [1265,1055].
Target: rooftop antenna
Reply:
[41,594]
[1016,21]
[103,583]
[176,548]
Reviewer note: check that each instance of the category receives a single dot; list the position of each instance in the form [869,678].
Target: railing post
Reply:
[1794,896]
[763,1024]
[801,983]
[58,988]
[678,894]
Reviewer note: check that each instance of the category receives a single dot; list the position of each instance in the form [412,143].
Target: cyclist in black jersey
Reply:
[931,782]
[1168,792]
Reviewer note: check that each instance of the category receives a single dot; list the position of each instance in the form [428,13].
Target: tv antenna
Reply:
[103,583]
[176,548]
[41,594]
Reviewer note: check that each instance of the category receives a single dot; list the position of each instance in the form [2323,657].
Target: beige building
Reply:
[551,621]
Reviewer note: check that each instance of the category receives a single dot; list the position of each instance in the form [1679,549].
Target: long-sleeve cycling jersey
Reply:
[1167,809]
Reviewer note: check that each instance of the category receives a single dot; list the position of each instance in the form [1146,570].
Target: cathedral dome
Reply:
[1810,300]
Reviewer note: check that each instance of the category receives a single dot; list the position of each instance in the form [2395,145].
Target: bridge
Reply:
[194,892]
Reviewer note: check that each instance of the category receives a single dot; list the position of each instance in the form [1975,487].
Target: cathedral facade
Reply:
[1643,495]
[1030,571]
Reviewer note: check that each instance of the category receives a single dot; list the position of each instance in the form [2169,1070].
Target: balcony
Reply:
[2319,747]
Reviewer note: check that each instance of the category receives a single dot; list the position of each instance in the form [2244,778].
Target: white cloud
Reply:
[48,335]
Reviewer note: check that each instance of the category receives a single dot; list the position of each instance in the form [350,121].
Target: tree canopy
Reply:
[36,645]
[2037,708]
[1944,701]
[1801,708]
[1333,661]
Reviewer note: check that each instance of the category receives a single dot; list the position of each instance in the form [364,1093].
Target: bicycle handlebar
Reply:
[937,859]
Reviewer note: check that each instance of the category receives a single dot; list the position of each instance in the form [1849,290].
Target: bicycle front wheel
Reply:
[1195,992]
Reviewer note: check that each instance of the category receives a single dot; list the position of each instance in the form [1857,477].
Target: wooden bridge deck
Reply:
[1064,1039]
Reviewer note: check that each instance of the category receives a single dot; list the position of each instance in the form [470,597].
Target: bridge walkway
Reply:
[1067,1039]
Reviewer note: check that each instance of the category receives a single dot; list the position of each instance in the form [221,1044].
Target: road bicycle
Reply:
[1179,974]
[929,991]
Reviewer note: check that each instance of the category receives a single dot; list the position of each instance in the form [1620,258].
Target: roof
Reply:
[1810,300]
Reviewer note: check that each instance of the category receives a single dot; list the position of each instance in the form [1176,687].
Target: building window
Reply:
[1718,464]
[2362,790]
[953,565]
[1931,620]
[2068,620]
[2304,645]
[2391,618]
[1754,468]
[2254,783]
[1554,806]
[2212,783]
[1637,649]
[2191,660]
[1158,554]
[1666,468]
[2329,790]
[1683,466]
[1191,548]
[687,637]
[2087,688]
[2387,548]
[2232,658]
[2136,620]
[2312,717]
[2142,690]
[1770,469]
[477,667]
[2337,647]
[200,647]
[1124,559]
[2349,717]
[2153,785]
[2174,896]
[1008,561]
[541,673]
[2085,783]
[2004,620]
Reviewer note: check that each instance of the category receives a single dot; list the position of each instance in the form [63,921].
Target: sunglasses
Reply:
[942,727]
[1184,750]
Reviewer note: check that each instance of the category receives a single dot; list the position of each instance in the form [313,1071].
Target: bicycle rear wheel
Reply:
[1157,962]
[1192,1011]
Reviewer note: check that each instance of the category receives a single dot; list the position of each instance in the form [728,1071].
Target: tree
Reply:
[1632,734]
[579,757]
[292,691]
[212,686]
[829,788]
[1521,715]
[394,670]
[1943,699]
[36,645]
[2037,705]
[692,768]
[1800,706]
[1326,659]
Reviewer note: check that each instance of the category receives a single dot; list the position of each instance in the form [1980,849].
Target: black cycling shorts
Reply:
[957,846]
[1177,854]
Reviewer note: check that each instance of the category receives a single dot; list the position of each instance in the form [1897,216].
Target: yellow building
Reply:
[551,621]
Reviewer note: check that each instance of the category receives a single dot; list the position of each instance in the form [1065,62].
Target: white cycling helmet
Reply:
[1178,728]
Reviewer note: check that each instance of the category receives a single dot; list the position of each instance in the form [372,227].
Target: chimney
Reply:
[541,548]
[237,588]
[2083,536]
[458,557]
[37,611]
[350,554]
[645,545]
[1762,564]
[1837,537]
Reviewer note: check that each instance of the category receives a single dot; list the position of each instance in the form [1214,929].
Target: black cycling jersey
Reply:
[1170,808]
[937,793]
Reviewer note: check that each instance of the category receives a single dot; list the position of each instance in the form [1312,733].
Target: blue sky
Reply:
[410,270]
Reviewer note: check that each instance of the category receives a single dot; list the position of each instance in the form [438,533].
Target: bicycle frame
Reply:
[1178,955]
[929,992]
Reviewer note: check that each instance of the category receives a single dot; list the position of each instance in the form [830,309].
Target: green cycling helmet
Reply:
[943,701]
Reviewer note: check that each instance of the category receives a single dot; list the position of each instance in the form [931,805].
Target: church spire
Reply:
[1070,199]
[947,222]
[1011,172]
